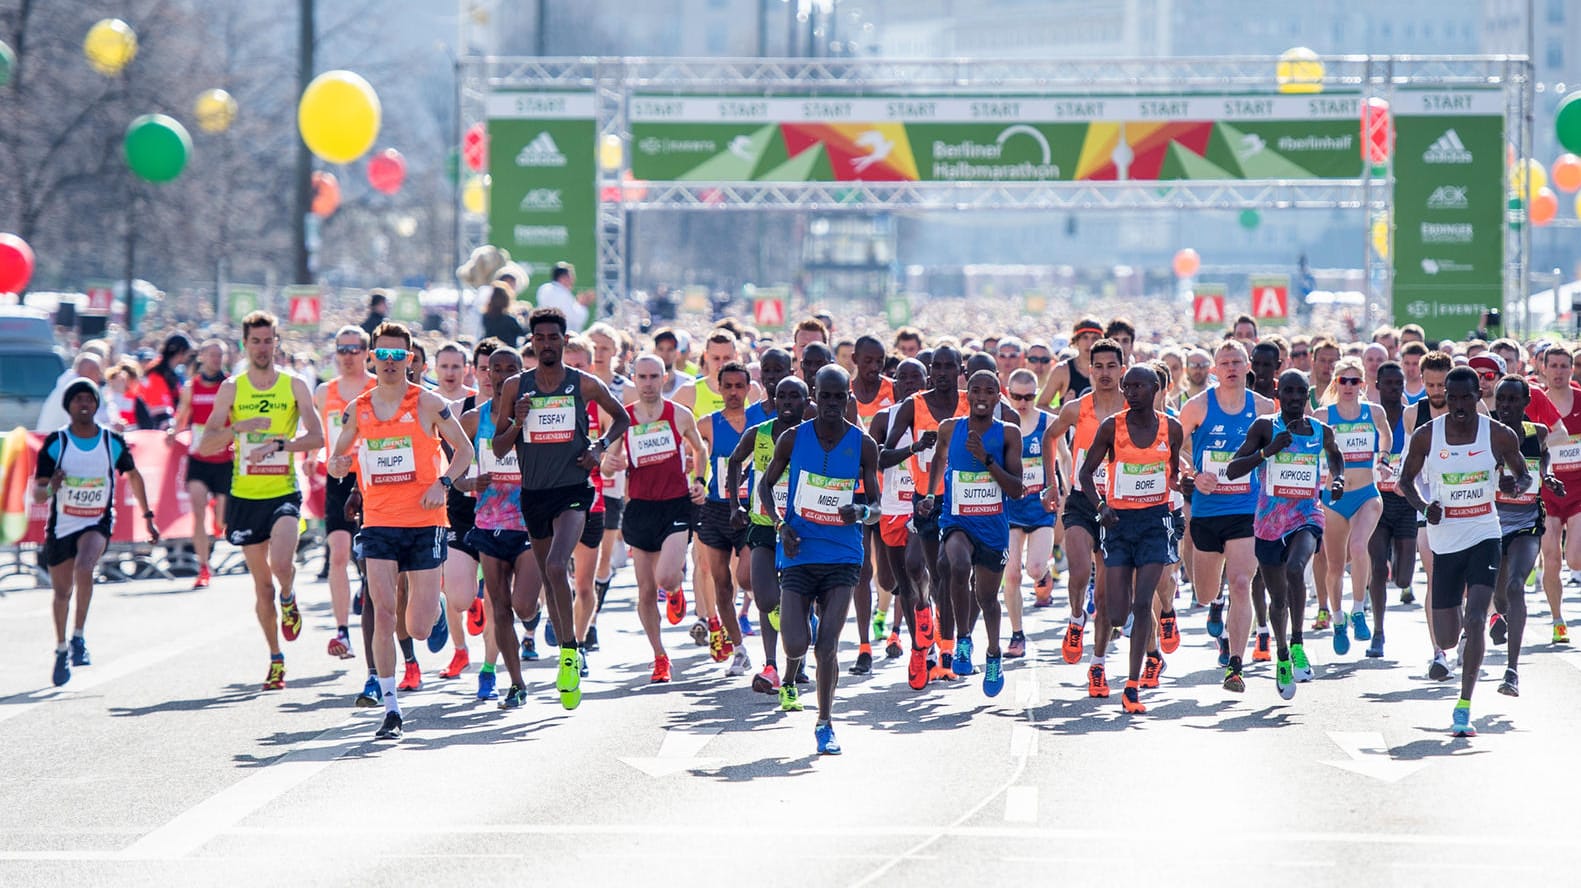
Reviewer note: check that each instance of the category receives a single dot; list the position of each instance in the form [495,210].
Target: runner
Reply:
[820,547]
[871,393]
[1073,377]
[208,477]
[578,355]
[459,577]
[1349,521]
[1562,540]
[1392,548]
[606,350]
[894,541]
[1435,369]
[1325,354]
[263,409]
[718,540]
[1458,455]
[395,429]
[1288,446]
[1031,525]
[76,470]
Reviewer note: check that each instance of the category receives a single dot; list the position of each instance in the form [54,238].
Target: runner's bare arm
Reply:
[183,410]
[312,437]
[1059,380]
[505,434]
[733,466]
[435,412]
[1507,450]
[594,389]
[340,458]
[870,468]
[1102,446]
[939,465]
[1177,449]
[1250,454]
[904,415]
[1011,482]
[1336,462]
[1415,454]
[778,463]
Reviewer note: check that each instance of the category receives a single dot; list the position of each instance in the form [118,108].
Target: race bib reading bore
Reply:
[84,497]
[388,460]
[975,493]
[818,499]
[552,420]
[1293,475]
[500,469]
[276,462]
[1141,483]
[1465,494]
[652,443]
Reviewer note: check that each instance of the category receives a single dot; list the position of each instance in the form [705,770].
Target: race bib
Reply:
[1386,478]
[276,463]
[1032,475]
[722,476]
[1141,483]
[197,438]
[1293,475]
[975,493]
[924,459]
[84,497]
[501,470]
[552,420]
[652,443]
[1465,494]
[1100,478]
[388,460]
[818,499]
[1218,462]
[899,487]
[1357,441]
[1565,457]
[1524,498]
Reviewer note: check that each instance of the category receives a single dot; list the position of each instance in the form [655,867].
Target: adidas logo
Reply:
[541,199]
[1448,197]
[1448,149]
[540,152]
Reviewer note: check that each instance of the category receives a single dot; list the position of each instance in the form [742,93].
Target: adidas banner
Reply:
[543,190]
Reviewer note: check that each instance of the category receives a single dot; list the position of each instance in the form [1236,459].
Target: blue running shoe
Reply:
[1224,652]
[529,650]
[993,676]
[1092,585]
[515,698]
[1359,628]
[548,634]
[486,686]
[746,626]
[827,745]
[62,672]
[1216,618]
[440,634]
[370,696]
[1462,726]
[79,651]
[1341,638]
[812,621]
[962,664]
[1375,650]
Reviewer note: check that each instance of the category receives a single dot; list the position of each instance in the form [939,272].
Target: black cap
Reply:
[78,386]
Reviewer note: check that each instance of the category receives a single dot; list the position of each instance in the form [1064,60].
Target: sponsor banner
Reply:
[1449,211]
[543,192]
[769,305]
[241,300]
[1008,109]
[897,310]
[1270,298]
[304,307]
[1207,306]
[406,307]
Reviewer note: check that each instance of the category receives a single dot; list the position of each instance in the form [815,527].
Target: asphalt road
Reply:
[163,764]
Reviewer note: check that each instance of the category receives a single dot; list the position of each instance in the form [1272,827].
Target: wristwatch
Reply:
[446,483]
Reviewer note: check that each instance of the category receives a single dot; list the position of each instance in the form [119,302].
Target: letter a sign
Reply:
[768,311]
[1271,298]
[1207,306]
[306,307]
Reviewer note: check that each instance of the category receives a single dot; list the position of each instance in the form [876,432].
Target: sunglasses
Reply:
[1350,380]
[1490,375]
[349,349]
[1198,366]
[390,354]
[1027,397]
[1038,359]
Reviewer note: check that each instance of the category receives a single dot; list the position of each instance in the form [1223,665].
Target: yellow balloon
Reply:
[215,110]
[475,195]
[1527,178]
[1299,71]
[1578,206]
[339,116]
[111,45]
[1380,236]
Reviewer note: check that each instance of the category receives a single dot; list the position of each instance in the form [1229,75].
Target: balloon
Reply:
[610,152]
[1567,173]
[1299,71]
[1250,219]
[1528,178]
[1379,235]
[1567,123]
[1377,131]
[386,171]
[1187,262]
[339,116]
[1578,206]
[326,194]
[16,263]
[7,62]
[215,110]
[1545,205]
[110,46]
[157,147]
[475,148]
[475,196]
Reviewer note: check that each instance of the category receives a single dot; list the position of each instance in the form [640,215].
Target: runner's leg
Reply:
[257,558]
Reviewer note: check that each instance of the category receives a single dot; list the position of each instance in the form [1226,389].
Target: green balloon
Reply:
[7,63]
[157,147]
[1567,122]
[1250,219]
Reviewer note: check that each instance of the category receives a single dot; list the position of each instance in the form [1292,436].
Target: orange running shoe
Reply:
[1071,648]
[716,641]
[204,578]
[477,619]
[1152,668]
[675,608]
[1097,684]
[458,664]
[892,646]
[917,669]
[661,670]
[924,627]
[276,679]
[1131,699]
[1043,590]
[290,619]
[412,679]
[1168,633]
[1262,652]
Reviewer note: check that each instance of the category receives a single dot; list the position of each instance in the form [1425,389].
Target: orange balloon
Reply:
[1544,206]
[326,194]
[1187,262]
[1567,173]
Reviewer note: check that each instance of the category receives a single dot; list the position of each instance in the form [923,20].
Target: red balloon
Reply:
[386,171]
[326,194]
[475,148]
[1377,131]
[16,263]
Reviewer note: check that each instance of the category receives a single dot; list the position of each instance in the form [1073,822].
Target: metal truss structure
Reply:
[614,81]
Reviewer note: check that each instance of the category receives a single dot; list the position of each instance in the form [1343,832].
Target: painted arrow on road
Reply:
[678,752]
[1369,756]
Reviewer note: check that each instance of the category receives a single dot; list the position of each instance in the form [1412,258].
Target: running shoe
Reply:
[961,664]
[675,607]
[1043,590]
[774,618]
[477,616]
[922,620]
[601,587]
[529,650]
[917,669]
[1017,648]
[79,651]
[340,646]
[1152,668]
[892,646]
[1438,670]
[824,733]
[1322,620]
[62,673]
[1233,682]
[290,620]
[276,678]
[1262,652]
[1224,651]
[801,675]
[661,670]
[1407,596]
[740,664]
[1461,725]
[458,664]
[1298,659]
[790,698]
[1168,632]
[942,671]
[1131,699]
[1285,679]
[569,679]
[440,634]
[370,696]
[747,631]
[1375,650]
[582,659]
[486,686]
[391,729]
[1097,684]
[549,638]
[1216,617]
[716,641]
[1460,651]
[204,578]
[515,698]
[699,633]
[1125,631]
[356,604]
[993,675]
[412,679]
[1092,585]
[1358,625]
[863,664]
[1341,637]
[1498,629]
[1071,647]
[591,644]
[880,622]
[1511,685]
[1561,634]
[767,681]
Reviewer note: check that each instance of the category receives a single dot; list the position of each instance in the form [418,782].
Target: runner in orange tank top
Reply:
[352,379]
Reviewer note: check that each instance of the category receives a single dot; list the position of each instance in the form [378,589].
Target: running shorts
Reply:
[249,522]
[1453,572]
[411,548]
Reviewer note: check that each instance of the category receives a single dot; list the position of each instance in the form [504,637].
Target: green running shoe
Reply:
[879,623]
[569,679]
[790,698]
[774,618]
[1303,669]
[1285,679]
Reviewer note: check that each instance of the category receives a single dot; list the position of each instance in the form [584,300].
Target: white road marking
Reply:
[1369,756]
[677,752]
[1021,804]
[1023,740]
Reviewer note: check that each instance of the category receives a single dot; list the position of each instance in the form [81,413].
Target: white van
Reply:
[29,365]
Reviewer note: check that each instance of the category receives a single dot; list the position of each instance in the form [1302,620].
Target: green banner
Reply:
[1449,208]
[897,310]
[543,196]
[240,301]
[406,307]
